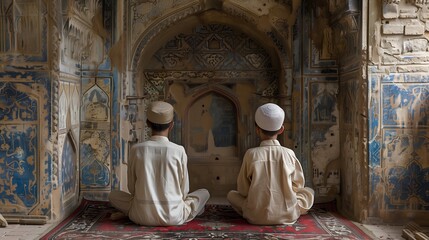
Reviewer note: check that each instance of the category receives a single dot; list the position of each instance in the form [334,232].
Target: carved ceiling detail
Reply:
[212,54]
[78,30]
[279,32]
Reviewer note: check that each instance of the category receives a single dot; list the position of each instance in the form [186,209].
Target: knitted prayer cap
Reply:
[269,117]
[160,112]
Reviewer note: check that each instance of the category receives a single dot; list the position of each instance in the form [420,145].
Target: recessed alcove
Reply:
[212,143]
[215,75]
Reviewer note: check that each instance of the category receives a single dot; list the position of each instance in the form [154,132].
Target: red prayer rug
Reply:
[92,221]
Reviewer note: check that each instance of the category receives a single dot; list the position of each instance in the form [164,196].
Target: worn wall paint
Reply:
[346,34]
[26,103]
[42,54]
[24,133]
[95,138]
[398,72]
[202,71]
[268,21]
[99,142]
[317,138]
[373,119]
[67,191]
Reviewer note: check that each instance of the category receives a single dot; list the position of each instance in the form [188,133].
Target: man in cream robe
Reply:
[158,180]
[270,185]
[3,222]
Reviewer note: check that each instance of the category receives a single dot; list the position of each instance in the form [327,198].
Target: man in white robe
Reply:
[158,180]
[270,185]
[3,222]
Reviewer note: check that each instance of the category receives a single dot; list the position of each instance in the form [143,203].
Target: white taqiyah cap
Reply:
[269,117]
[160,112]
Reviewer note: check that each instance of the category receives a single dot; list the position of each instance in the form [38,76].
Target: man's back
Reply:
[158,175]
[158,181]
[270,185]
[274,171]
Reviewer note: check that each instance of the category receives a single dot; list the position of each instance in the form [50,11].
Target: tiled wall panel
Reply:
[24,131]
[398,117]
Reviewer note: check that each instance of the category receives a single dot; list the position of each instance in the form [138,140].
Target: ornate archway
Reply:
[208,72]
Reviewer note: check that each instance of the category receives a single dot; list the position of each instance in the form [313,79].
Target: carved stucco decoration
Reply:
[215,76]
[401,18]
[232,57]
[419,3]
[338,27]
[187,60]
[148,32]
[277,30]
[276,18]
[22,24]
[55,41]
[143,12]
[21,51]
[83,35]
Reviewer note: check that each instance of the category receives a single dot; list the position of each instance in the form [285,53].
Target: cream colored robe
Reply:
[3,222]
[271,186]
[158,183]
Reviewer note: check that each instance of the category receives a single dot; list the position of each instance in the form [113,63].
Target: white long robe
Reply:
[158,183]
[270,186]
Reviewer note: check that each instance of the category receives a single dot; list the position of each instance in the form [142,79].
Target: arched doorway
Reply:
[215,76]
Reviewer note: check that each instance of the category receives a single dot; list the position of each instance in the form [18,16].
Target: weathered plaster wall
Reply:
[315,96]
[383,106]
[26,104]
[338,149]
[68,117]
[309,101]
[347,31]
[85,106]
[215,76]
[99,109]
[398,70]
[153,24]
[48,48]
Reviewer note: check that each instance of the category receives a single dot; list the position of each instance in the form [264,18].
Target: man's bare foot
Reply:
[3,222]
[117,215]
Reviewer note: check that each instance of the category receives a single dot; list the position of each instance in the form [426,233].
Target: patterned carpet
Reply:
[92,221]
